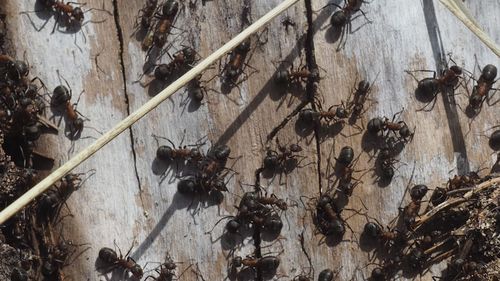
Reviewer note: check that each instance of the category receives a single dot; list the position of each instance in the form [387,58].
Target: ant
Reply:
[273,201]
[377,125]
[166,271]
[386,158]
[298,76]
[326,275]
[181,60]
[267,264]
[328,217]
[66,14]
[375,231]
[234,67]
[430,87]
[171,153]
[385,271]
[199,184]
[215,161]
[145,15]
[61,96]
[288,21]
[357,104]
[410,211]
[494,140]
[345,169]
[166,19]
[483,87]
[342,18]
[110,257]
[278,160]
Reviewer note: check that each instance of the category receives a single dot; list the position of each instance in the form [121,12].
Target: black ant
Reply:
[377,125]
[357,104]
[109,257]
[374,230]
[386,158]
[430,87]
[335,115]
[202,185]
[483,87]
[292,76]
[344,170]
[328,217]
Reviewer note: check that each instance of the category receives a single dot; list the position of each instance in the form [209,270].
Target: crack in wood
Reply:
[119,32]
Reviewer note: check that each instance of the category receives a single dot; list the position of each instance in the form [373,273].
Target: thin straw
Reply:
[42,186]
[459,10]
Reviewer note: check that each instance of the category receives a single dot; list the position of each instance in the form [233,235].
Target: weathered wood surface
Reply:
[127,201]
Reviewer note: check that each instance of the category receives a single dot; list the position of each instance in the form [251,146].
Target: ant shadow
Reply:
[116,274]
[171,170]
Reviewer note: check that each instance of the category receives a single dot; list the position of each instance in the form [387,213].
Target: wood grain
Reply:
[126,200]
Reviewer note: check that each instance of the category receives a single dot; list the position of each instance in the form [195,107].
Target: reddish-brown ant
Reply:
[298,76]
[278,160]
[345,169]
[357,104]
[410,211]
[267,264]
[377,125]
[66,14]
[166,19]
[166,271]
[181,61]
[234,67]
[145,14]
[61,96]
[171,153]
[430,87]
[482,88]
[110,258]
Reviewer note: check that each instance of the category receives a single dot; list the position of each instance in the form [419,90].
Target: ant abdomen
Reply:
[325,275]
[428,86]
[187,186]
[494,141]
[164,153]
[233,226]
[372,230]
[309,115]
[108,255]
[375,125]
[346,155]
[282,77]
[60,95]
[489,73]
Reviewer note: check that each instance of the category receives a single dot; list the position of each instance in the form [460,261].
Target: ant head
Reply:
[160,39]
[78,14]
[338,19]
[405,131]
[282,204]
[243,47]
[77,125]
[187,186]
[375,125]
[489,73]
[372,229]
[170,8]
[295,148]
[232,226]
[60,95]
[196,153]
[363,86]
[164,153]
[162,71]
[324,200]
[170,265]
[418,192]
[32,132]
[282,76]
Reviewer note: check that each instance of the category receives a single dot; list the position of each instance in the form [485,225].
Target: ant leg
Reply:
[490,97]
[56,22]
